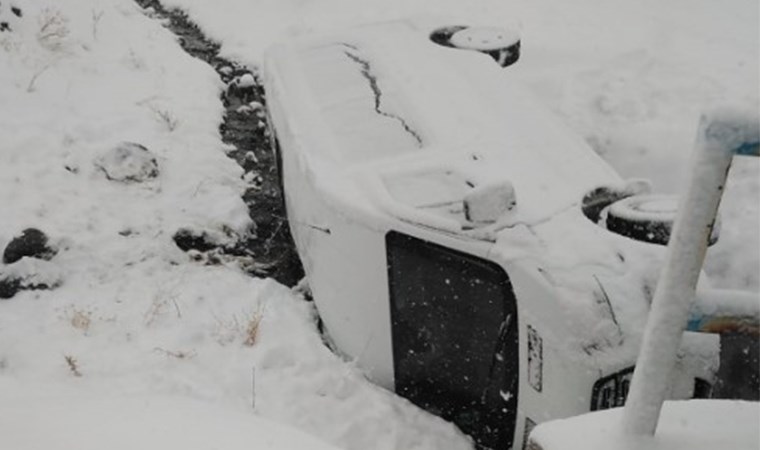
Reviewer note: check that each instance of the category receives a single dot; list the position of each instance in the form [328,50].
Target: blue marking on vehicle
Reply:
[749,149]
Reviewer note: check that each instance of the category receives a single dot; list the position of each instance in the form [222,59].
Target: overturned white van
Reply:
[463,246]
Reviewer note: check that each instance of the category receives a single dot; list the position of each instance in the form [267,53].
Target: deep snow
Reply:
[32,420]
[134,316]
[685,425]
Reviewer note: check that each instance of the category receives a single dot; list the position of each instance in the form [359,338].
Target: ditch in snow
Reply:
[244,127]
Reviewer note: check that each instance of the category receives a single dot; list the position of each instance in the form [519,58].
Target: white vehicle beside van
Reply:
[462,245]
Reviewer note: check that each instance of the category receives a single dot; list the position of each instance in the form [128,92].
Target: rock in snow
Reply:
[128,162]
[28,274]
[188,239]
[246,81]
[32,243]
[9,15]
[11,285]
[241,88]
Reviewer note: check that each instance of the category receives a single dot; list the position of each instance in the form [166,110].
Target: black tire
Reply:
[442,36]
[631,217]
[499,43]
[646,218]
[598,201]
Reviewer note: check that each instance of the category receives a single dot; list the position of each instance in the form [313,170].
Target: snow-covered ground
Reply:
[691,425]
[134,316]
[64,420]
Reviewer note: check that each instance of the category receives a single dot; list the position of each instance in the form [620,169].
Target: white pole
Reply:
[721,135]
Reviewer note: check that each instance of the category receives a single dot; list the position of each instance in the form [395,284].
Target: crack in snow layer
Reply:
[366,71]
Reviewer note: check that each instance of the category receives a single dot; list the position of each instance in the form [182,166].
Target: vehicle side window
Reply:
[455,339]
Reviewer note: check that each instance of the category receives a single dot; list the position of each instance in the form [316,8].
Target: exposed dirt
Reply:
[244,127]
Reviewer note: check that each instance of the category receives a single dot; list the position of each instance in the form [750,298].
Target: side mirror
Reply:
[488,202]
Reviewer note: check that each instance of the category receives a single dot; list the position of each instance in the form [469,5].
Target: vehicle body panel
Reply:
[381,131]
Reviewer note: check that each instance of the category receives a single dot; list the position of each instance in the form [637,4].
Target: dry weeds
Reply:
[244,329]
[73,365]
[179,354]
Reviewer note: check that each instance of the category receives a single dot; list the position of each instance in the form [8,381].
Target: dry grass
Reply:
[96,17]
[80,319]
[32,85]
[162,302]
[83,318]
[179,354]
[166,117]
[73,365]
[244,329]
[53,29]
[252,329]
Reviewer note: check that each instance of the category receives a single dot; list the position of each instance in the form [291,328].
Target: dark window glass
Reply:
[455,338]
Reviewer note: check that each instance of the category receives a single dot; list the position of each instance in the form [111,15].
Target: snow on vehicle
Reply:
[648,421]
[453,232]
[684,425]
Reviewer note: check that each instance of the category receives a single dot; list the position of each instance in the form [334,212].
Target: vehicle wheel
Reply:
[501,44]
[647,218]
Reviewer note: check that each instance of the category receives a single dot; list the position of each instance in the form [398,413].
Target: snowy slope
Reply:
[82,420]
[135,317]
[684,425]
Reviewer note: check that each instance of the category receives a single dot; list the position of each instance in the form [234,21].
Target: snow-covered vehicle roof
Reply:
[413,126]
[393,127]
